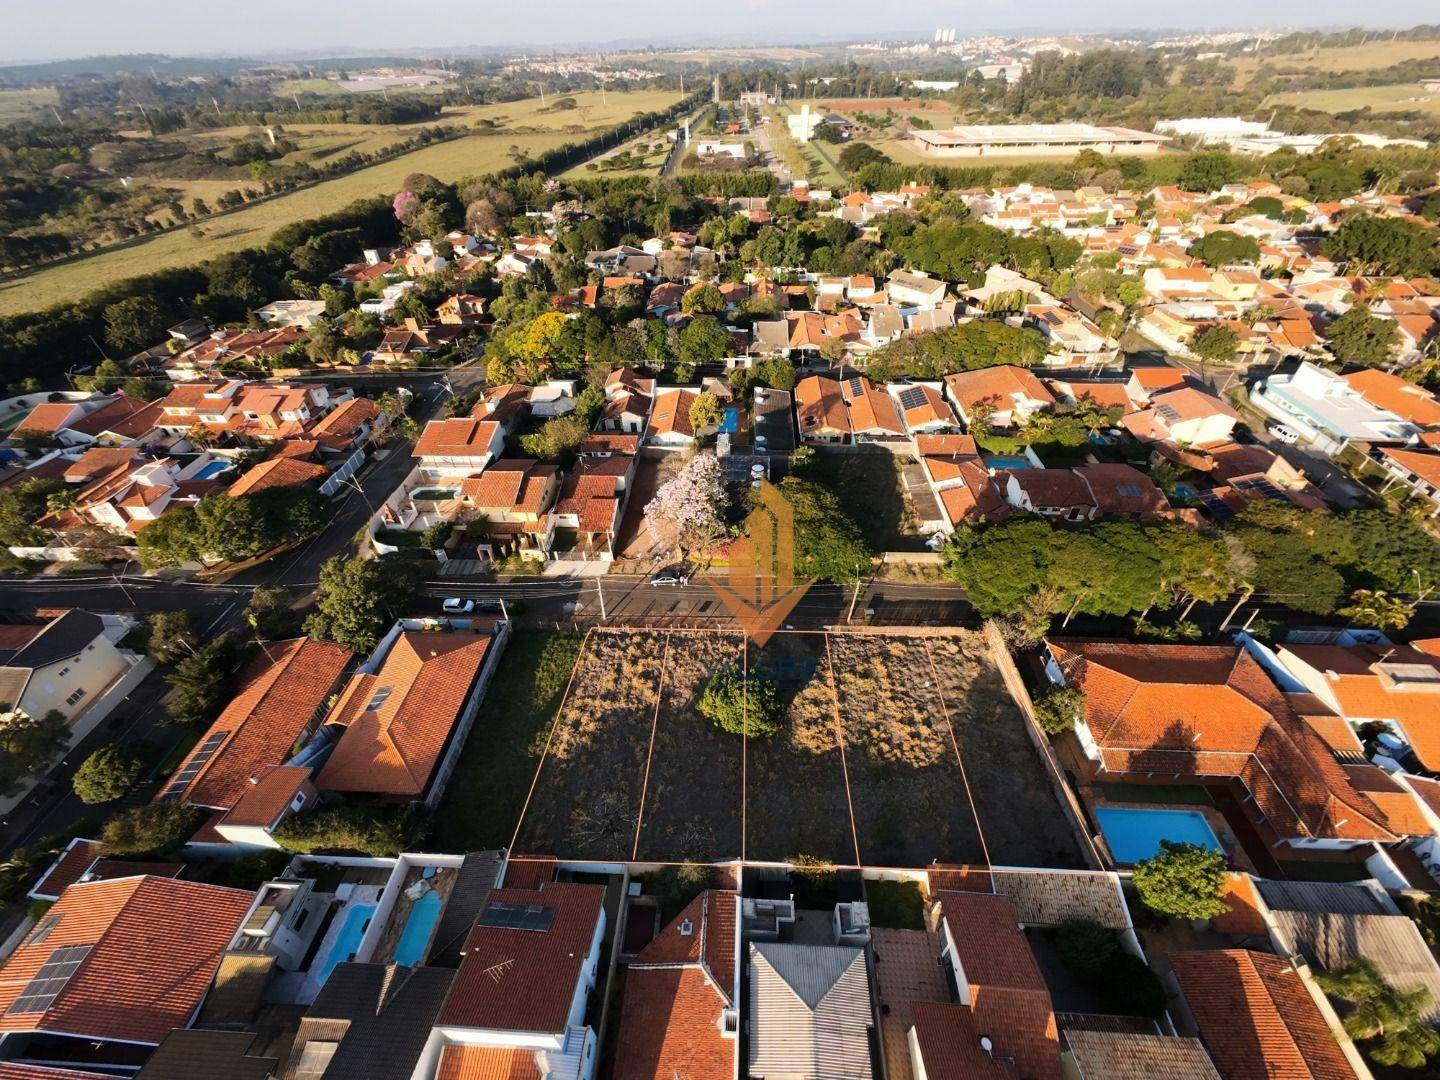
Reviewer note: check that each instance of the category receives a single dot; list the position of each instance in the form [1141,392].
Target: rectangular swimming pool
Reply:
[347,942]
[419,925]
[1135,833]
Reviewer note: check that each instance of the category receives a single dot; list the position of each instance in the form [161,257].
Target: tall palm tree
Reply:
[1389,1020]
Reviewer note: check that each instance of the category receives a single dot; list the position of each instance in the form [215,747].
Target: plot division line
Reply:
[840,735]
[650,754]
[559,711]
[955,745]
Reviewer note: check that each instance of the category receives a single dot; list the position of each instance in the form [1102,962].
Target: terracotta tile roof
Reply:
[78,856]
[347,420]
[670,1026]
[487,1063]
[1100,394]
[14,1070]
[49,417]
[1054,488]
[1424,465]
[1399,809]
[400,719]
[1244,916]
[1256,1017]
[280,694]
[524,980]
[456,437]
[263,801]
[1212,710]
[1127,1055]
[116,411]
[1122,490]
[1009,1000]
[871,410]
[1353,678]
[931,409]
[998,387]
[671,415]
[510,485]
[1404,399]
[154,947]
[819,406]
[609,442]
[275,474]
[906,975]
[949,1041]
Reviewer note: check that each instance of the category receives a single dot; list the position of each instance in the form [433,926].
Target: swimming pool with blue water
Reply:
[347,942]
[419,925]
[1134,833]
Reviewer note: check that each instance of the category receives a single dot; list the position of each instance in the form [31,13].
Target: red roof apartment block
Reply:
[1211,710]
[1256,1017]
[280,699]
[125,960]
[677,993]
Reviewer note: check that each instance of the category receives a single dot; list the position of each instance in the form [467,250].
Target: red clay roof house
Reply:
[670,419]
[820,409]
[1000,982]
[127,959]
[960,479]
[1211,710]
[279,701]
[85,860]
[512,488]
[1256,1017]
[347,424]
[1123,491]
[872,411]
[677,991]
[459,437]
[400,721]
[520,976]
[1010,393]
[1404,399]
[276,474]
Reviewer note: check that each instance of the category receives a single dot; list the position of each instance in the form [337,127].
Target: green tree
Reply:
[21,504]
[1358,337]
[557,438]
[741,704]
[377,831]
[28,746]
[1389,1022]
[703,341]
[705,412]
[1383,245]
[855,155]
[980,343]
[1378,609]
[1208,172]
[1183,881]
[360,599]
[201,680]
[107,774]
[828,542]
[1085,947]
[135,323]
[1216,343]
[270,612]
[152,829]
[1222,247]
[170,634]
[703,299]
[1058,709]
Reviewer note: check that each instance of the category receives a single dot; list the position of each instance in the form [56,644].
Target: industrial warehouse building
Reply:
[998,140]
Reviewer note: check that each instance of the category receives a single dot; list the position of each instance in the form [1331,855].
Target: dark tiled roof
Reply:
[64,637]
[380,1015]
[472,887]
[188,1054]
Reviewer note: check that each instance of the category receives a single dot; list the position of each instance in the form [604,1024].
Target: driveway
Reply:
[637,540]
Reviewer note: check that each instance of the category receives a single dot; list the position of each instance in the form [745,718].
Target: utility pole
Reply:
[600,589]
[850,615]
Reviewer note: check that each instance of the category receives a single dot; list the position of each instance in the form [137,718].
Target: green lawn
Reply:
[868,484]
[896,905]
[483,800]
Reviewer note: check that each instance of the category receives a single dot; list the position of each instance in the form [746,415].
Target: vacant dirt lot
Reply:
[891,748]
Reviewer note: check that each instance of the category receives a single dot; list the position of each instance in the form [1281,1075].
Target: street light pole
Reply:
[600,589]
[850,616]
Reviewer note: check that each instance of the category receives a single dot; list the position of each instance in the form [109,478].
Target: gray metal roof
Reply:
[1390,942]
[1112,1055]
[1339,899]
[809,1011]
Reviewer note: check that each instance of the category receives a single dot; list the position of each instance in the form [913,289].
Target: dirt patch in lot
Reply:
[895,751]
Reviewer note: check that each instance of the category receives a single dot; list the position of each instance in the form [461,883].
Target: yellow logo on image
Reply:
[762,591]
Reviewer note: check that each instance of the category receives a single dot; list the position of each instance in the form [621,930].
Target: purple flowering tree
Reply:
[690,506]
[405,205]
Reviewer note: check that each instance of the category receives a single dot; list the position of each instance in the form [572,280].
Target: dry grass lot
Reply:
[253,225]
[886,741]
[1402,97]
[1373,54]
[25,104]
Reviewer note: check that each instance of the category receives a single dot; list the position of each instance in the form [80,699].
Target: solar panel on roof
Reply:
[912,397]
[1217,507]
[1051,318]
[42,990]
[378,698]
[855,387]
[1168,412]
[504,916]
[1130,491]
[42,929]
[192,768]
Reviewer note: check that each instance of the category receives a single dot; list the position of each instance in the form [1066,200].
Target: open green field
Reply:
[1373,54]
[252,225]
[1400,97]
[23,104]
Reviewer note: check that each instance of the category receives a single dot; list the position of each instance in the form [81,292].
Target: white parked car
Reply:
[456,606]
[1286,435]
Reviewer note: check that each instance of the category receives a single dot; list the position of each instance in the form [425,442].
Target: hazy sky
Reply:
[67,28]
